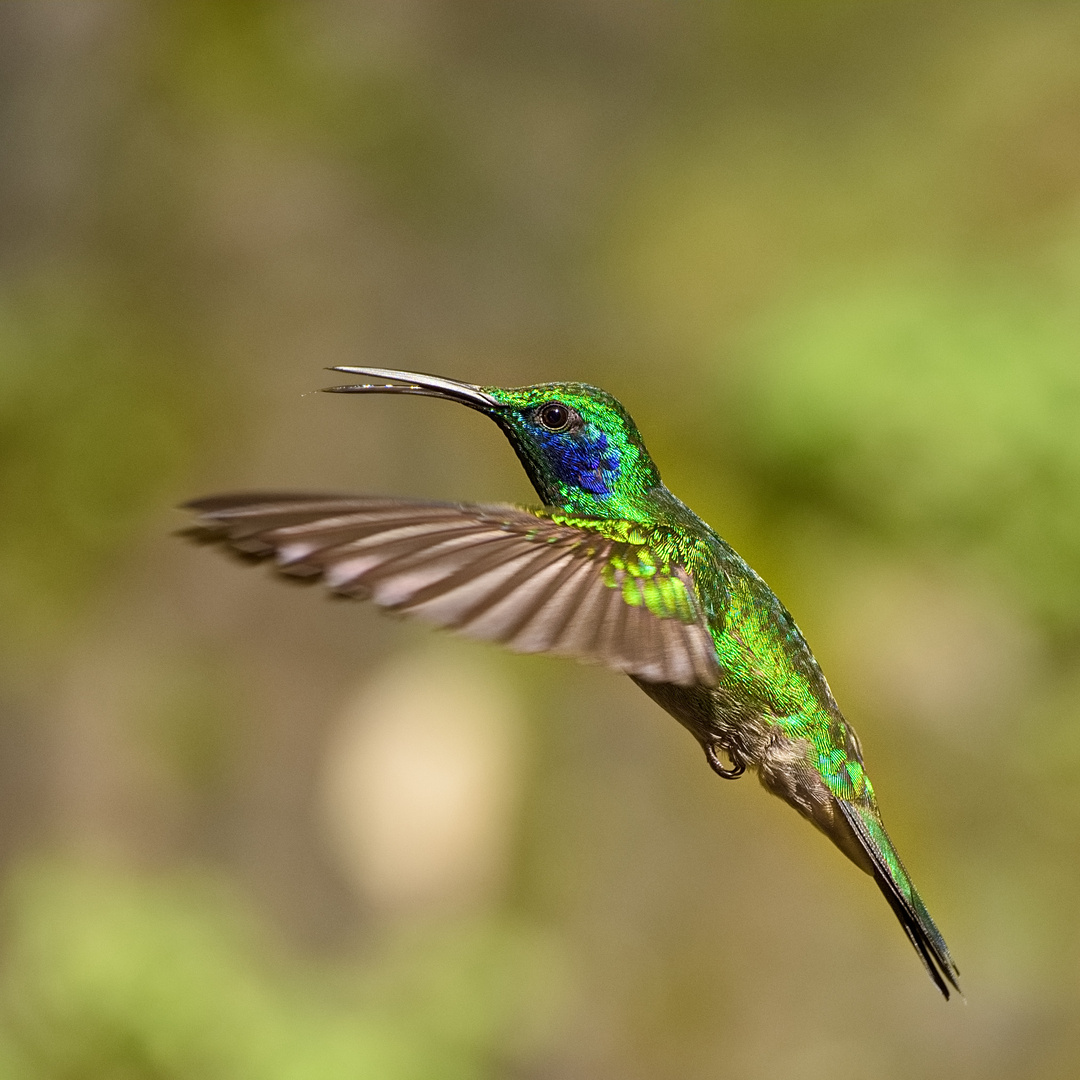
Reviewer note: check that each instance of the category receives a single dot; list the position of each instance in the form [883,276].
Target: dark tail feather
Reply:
[893,880]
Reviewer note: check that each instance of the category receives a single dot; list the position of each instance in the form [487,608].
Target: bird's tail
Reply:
[893,880]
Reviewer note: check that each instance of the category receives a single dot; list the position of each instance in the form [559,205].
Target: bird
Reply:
[613,569]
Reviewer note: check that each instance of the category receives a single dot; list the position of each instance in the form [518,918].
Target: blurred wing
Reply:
[532,580]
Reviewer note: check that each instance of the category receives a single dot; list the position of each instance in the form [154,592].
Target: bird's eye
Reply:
[554,416]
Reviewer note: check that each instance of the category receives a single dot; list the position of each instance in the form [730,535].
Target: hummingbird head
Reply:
[578,445]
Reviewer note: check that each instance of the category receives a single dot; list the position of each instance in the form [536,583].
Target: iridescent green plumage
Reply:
[613,568]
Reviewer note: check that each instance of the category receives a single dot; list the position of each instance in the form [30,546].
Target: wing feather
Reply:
[541,629]
[533,580]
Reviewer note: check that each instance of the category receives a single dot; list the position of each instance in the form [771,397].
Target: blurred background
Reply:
[827,253]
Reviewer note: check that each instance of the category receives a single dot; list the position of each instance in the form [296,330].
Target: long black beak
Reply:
[415,382]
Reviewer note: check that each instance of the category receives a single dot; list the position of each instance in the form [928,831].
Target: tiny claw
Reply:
[718,767]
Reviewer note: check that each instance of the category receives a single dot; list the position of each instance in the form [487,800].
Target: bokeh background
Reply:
[828,254]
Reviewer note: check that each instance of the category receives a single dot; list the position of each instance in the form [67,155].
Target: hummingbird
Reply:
[611,569]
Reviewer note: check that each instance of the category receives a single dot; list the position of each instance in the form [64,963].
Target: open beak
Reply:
[414,382]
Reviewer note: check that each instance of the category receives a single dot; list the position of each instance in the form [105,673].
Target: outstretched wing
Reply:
[534,580]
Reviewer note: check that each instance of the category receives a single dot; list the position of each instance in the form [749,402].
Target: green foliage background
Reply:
[828,254]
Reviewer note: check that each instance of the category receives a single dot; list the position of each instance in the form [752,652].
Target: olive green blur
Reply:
[827,254]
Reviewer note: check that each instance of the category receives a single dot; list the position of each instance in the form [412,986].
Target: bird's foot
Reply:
[712,750]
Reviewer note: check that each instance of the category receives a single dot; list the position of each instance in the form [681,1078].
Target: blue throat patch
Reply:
[587,462]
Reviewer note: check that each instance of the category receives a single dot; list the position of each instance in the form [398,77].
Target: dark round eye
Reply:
[555,416]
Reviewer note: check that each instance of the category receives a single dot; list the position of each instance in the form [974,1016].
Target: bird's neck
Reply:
[593,476]
[649,504]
